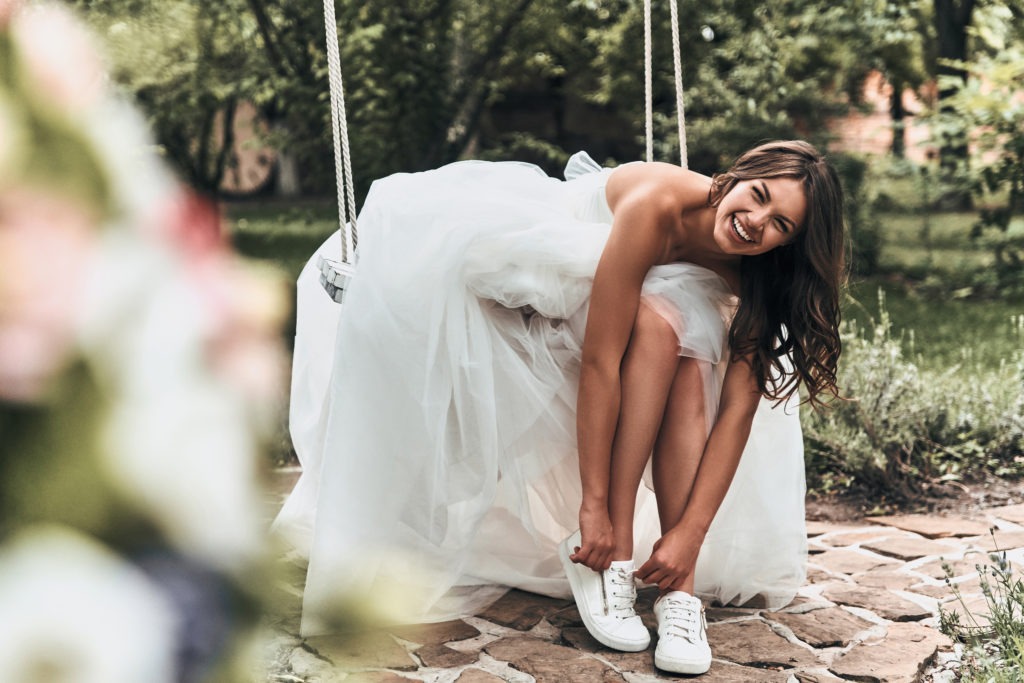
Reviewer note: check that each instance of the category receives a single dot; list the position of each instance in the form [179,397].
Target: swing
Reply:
[336,274]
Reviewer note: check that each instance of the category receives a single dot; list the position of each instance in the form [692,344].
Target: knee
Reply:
[654,334]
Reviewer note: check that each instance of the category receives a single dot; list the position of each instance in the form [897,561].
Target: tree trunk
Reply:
[898,114]
[952,17]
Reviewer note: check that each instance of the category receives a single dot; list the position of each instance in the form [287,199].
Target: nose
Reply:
[759,217]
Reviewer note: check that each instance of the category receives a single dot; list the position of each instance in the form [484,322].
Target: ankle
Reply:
[623,552]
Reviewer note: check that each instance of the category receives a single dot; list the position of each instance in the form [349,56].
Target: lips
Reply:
[740,232]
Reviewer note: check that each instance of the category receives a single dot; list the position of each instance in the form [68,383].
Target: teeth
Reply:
[740,231]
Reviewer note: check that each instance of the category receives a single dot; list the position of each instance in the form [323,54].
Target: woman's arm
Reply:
[675,554]
[643,220]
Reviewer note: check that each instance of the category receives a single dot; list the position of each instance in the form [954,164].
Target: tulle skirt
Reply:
[433,412]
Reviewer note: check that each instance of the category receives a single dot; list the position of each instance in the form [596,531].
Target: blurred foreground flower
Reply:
[140,364]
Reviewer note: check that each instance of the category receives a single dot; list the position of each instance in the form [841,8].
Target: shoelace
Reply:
[620,595]
[682,620]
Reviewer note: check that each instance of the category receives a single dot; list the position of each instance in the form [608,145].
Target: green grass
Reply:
[942,334]
[922,246]
[282,234]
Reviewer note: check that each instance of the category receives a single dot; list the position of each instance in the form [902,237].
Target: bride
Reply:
[519,356]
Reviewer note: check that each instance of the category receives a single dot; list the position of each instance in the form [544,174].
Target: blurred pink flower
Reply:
[59,55]
[7,9]
[46,245]
[248,306]
[245,305]
[193,225]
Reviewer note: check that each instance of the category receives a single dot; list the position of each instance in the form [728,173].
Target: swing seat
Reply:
[334,277]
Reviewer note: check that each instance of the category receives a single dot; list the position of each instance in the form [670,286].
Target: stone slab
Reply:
[373,677]
[883,603]
[829,627]
[372,650]
[565,617]
[845,561]
[962,567]
[443,657]
[550,662]
[885,578]
[307,665]
[521,610]
[754,643]
[818,575]
[436,634]
[1004,540]
[933,526]
[817,528]
[909,548]
[1010,513]
[899,657]
[724,672]
[973,612]
[943,593]
[633,662]
[848,538]
[818,676]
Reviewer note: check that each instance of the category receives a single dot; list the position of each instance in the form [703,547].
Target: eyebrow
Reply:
[790,224]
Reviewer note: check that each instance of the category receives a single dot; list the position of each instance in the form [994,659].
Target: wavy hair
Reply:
[789,296]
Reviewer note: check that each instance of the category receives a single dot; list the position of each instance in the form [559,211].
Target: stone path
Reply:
[868,612]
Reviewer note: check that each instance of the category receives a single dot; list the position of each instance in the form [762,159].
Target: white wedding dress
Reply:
[433,412]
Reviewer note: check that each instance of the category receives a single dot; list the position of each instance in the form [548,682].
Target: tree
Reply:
[429,81]
[987,108]
[952,19]
[187,65]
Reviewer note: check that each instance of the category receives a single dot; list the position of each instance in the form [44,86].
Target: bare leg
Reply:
[648,369]
[679,447]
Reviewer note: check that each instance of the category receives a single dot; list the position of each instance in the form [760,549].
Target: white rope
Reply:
[648,83]
[677,67]
[339,133]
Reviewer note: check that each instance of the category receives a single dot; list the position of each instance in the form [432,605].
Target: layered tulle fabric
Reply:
[434,412]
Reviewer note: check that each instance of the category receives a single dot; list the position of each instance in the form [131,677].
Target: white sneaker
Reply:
[605,600]
[682,634]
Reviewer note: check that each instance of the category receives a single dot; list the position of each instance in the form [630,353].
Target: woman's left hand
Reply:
[672,561]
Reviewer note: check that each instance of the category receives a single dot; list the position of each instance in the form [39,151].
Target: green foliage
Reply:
[901,427]
[429,81]
[189,65]
[987,106]
[995,641]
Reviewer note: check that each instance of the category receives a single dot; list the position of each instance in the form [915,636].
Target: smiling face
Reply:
[758,215]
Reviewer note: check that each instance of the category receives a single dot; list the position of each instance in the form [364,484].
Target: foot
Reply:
[682,634]
[605,600]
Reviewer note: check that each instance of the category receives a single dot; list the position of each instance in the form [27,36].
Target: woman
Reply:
[771,227]
[441,462]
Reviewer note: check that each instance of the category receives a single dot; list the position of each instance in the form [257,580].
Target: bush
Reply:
[899,428]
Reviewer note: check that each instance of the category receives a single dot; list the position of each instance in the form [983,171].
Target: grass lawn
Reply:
[282,234]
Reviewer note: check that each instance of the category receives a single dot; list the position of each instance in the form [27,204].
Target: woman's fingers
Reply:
[593,557]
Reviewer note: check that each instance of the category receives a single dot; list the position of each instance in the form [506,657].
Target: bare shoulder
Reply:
[662,184]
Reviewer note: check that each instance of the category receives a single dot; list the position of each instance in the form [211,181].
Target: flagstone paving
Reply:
[869,612]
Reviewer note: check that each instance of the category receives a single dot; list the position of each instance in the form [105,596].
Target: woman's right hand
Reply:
[597,540]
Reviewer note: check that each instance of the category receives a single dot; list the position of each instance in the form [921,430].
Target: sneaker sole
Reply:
[570,572]
[681,666]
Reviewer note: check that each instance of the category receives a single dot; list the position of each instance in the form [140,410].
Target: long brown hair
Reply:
[789,296]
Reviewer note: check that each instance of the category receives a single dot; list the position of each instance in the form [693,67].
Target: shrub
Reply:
[899,428]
